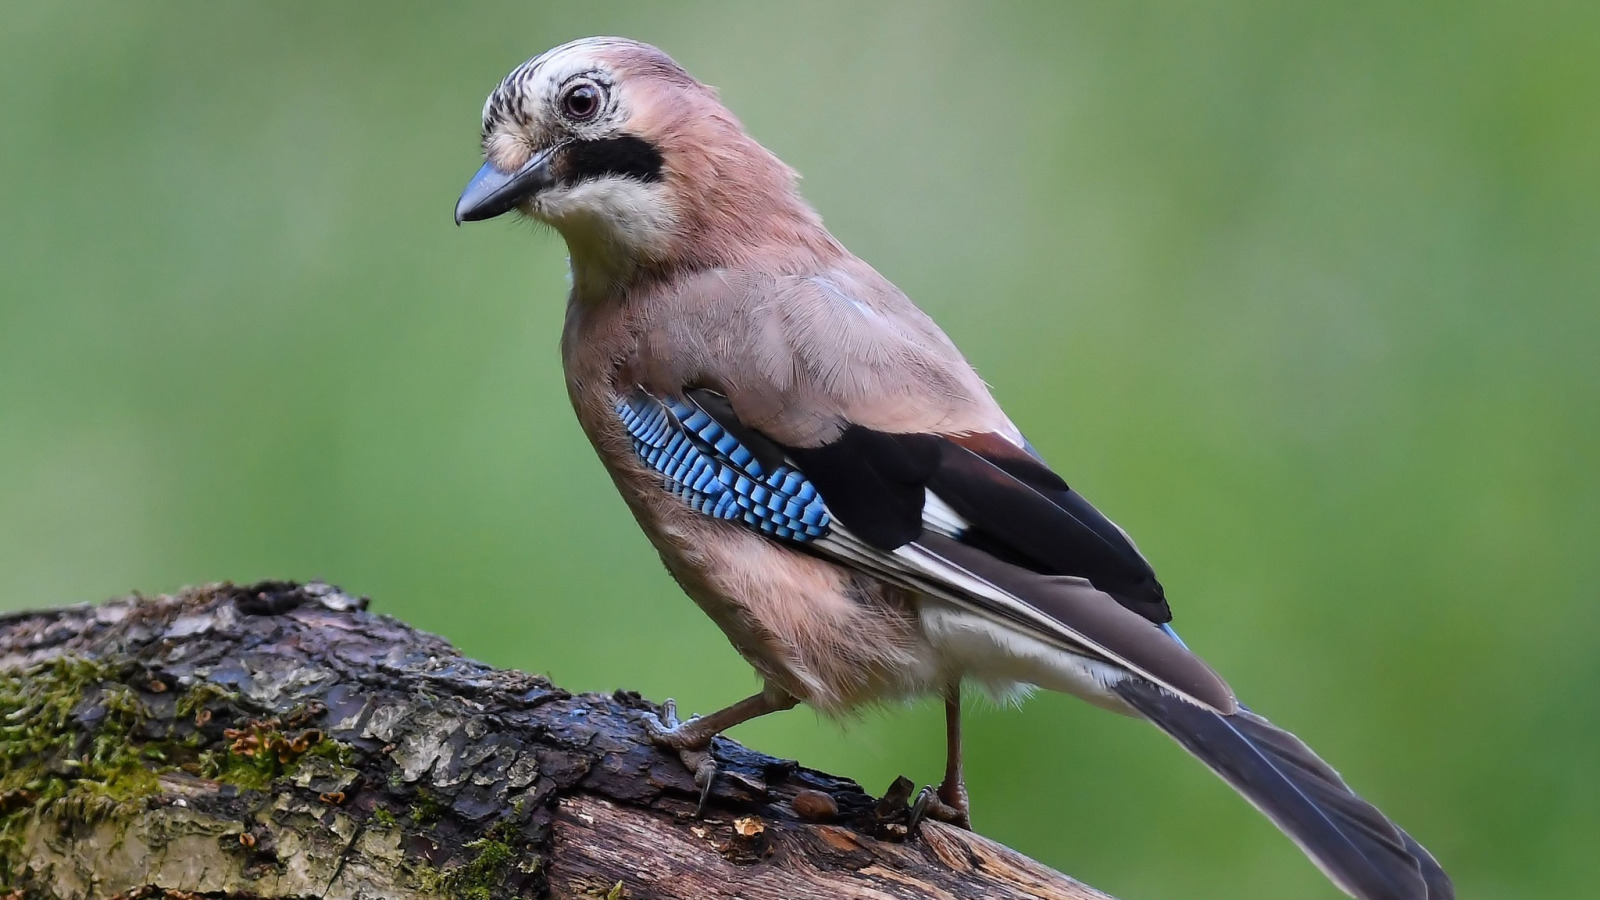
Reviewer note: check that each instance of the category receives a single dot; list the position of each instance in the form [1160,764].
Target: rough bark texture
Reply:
[277,740]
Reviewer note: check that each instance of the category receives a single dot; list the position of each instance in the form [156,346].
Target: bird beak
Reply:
[492,192]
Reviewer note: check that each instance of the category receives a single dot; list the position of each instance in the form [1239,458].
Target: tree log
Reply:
[279,741]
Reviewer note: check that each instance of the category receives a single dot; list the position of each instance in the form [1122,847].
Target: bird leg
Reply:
[948,803]
[692,739]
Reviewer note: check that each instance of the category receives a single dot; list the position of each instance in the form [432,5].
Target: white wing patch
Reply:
[939,518]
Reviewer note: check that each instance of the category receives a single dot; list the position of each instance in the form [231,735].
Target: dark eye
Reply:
[581,102]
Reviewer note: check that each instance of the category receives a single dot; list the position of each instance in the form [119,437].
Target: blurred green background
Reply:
[1307,298]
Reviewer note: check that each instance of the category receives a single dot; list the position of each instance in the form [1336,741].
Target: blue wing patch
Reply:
[716,474]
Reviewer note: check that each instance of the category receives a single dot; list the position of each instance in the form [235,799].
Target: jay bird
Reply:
[823,472]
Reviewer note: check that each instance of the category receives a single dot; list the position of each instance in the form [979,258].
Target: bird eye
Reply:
[581,102]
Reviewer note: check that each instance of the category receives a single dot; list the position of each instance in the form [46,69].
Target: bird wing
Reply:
[947,515]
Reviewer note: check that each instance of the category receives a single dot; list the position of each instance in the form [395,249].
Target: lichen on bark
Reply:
[277,740]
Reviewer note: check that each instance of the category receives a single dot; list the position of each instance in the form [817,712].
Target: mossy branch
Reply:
[278,741]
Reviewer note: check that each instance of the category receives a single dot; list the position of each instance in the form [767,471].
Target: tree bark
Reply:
[279,741]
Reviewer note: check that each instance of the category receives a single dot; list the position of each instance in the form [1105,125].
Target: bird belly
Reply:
[1001,658]
[834,638]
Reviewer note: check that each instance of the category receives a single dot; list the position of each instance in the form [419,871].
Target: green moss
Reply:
[75,739]
[426,809]
[477,878]
[249,773]
[264,750]
[385,818]
[196,700]
[336,751]
[67,731]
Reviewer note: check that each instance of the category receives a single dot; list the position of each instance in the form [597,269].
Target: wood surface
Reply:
[279,741]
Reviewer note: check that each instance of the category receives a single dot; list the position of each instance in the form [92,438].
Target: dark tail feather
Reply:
[1355,845]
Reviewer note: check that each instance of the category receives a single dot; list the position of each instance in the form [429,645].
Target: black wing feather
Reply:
[873,481]
[1024,513]
[1019,510]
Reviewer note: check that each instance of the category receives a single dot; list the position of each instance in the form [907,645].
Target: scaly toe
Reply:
[704,767]
[694,751]
[930,805]
[666,731]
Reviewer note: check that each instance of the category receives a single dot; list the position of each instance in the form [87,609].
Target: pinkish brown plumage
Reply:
[822,471]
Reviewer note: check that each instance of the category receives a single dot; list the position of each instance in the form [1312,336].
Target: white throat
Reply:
[610,225]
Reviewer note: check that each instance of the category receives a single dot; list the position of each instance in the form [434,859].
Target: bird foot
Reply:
[666,731]
[693,749]
[947,804]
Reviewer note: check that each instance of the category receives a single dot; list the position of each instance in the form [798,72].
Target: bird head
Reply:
[637,164]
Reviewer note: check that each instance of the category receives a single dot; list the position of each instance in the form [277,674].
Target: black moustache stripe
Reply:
[625,156]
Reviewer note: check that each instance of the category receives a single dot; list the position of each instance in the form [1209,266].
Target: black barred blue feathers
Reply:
[717,475]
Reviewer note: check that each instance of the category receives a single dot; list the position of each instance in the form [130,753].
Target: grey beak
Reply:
[492,192]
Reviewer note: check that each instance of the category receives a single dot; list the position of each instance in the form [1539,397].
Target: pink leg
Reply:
[949,803]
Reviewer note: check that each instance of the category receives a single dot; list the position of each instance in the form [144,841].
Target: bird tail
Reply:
[1353,843]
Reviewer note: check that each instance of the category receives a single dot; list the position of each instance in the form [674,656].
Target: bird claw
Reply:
[931,805]
[666,731]
[695,753]
[704,767]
